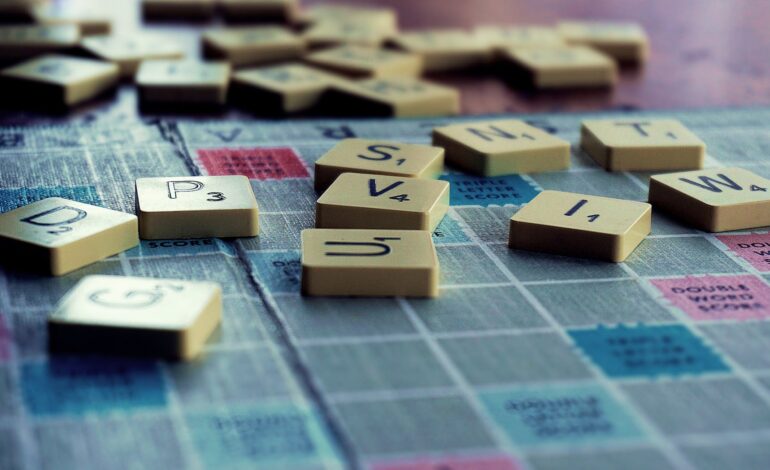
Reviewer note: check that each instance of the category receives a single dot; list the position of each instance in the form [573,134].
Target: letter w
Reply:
[710,183]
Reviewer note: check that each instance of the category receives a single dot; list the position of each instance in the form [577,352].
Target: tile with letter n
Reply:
[378,157]
[642,144]
[626,42]
[176,81]
[715,199]
[561,67]
[340,262]
[127,52]
[445,49]
[251,45]
[367,62]
[580,225]
[395,96]
[497,148]
[357,200]
[196,207]
[57,235]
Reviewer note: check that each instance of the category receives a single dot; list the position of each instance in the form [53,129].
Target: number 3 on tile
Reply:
[577,207]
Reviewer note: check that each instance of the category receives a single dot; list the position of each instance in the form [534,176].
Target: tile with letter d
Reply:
[626,42]
[580,225]
[196,207]
[378,157]
[644,144]
[502,147]
[57,235]
[369,263]
[136,316]
[562,66]
[358,200]
[177,81]
[714,200]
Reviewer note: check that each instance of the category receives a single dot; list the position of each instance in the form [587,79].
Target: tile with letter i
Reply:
[56,80]
[715,199]
[561,67]
[497,148]
[367,62]
[129,51]
[369,263]
[395,96]
[177,81]
[196,207]
[626,42]
[24,42]
[252,45]
[378,157]
[357,200]
[580,225]
[445,49]
[57,235]
[640,145]
[165,318]
[279,89]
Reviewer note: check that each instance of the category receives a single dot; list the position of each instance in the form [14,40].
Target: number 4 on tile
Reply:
[577,207]
[374,192]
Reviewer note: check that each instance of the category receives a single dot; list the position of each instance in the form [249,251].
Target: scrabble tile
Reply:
[22,42]
[196,207]
[344,30]
[174,81]
[394,96]
[445,49]
[252,45]
[343,262]
[715,199]
[626,42]
[166,318]
[384,19]
[561,66]
[60,80]
[580,225]
[129,51]
[88,20]
[176,9]
[259,10]
[378,157]
[504,37]
[285,88]
[57,236]
[367,62]
[642,144]
[497,148]
[359,200]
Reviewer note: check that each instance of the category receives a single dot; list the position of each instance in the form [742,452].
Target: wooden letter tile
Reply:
[129,51]
[626,42]
[280,89]
[445,49]
[174,81]
[252,45]
[367,62]
[562,67]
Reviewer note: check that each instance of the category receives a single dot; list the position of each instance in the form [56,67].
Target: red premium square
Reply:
[260,163]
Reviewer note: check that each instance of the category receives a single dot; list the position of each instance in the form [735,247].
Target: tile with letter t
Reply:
[252,45]
[136,316]
[57,235]
[196,207]
[367,62]
[714,200]
[57,80]
[497,148]
[640,145]
[378,157]
[626,42]
[127,52]
[358,200]
[561,67]
[177,81]
[395,96]
[369,263]
[580,225]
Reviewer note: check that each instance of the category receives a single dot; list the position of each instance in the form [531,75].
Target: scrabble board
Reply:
[525,360]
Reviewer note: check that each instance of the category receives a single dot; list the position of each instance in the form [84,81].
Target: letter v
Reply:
[373,187]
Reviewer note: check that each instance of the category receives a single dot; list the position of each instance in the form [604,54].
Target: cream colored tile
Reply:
[21,42]
[196,207]
[626,42]
[173,81]
[91,21]
[378,157]
[367,263]
[60,80]
[252,45]
[166,318]
[445,49]
[714,199]
[494,148]
[176,9]
[57,236]
[260,10]
[280,88]
[367,62]
[642,144]
[504,37]
[359,200]
[382,19]
[395,96]
[580,225]
[562,66]
[343,30]
[129,51]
